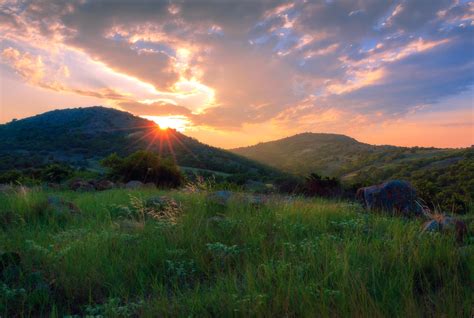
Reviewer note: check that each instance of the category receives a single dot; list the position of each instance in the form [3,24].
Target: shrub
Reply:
[144,166]
[56,173]
[324,187]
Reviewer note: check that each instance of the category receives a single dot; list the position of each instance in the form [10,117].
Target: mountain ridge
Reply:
[309,152]
[82,136]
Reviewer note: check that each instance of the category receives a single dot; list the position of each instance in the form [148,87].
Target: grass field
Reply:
[286,258]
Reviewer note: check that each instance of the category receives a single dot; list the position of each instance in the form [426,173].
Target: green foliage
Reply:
[144,166]
[285,258]
[82,137]
[443,177]
[11,176]
[56,173]
[316,185]
[52,173]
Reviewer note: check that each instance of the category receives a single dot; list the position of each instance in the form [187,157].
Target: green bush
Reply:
[144,166]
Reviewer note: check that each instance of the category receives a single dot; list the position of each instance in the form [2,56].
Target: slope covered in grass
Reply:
[82,136]
[444,177]
[287,258]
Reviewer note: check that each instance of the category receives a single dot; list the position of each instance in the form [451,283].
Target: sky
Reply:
[235,73]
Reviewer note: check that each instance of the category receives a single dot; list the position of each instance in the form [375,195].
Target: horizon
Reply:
[244,146]
[237,74]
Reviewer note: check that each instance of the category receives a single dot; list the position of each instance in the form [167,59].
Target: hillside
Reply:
[339,155]
[82,136]
[442,176]
[284,258]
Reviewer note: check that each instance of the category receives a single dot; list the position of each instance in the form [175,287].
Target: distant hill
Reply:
[445,176]
[83,136]
[342,156]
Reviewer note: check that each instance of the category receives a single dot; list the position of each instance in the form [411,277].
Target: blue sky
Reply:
[239,72]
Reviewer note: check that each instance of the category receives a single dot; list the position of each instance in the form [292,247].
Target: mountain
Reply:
[342,156]
[443,176]
[83,136]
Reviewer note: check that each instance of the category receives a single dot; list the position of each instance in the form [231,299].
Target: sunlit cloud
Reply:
[224,68]
[177,122]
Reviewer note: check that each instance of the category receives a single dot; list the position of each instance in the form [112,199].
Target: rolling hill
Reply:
[83,136]
[343,156]
[443,176]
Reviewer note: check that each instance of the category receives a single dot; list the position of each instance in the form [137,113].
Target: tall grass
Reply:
[286,258]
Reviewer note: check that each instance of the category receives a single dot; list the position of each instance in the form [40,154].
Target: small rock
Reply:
[216,219]
[448,223]
[134,184]
[6,188]
[445,225]
[104,185]
[81,185]
[220,197]
[431,226]
[150,185]
[53,186]
[157,203]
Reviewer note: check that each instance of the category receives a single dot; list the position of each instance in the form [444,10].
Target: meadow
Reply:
[107,255]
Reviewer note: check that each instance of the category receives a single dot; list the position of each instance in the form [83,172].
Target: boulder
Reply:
[134,184]
[395,196]
[81,185]
[6,188]
[150,185]
[104,185]
[446,225]
[430,226]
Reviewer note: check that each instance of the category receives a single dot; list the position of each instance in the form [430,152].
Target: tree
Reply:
[144,166]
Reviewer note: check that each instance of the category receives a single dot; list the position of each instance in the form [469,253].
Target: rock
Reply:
[6,188]
[104,185]
[53,186]
[431,226]
[220,197]
[150,185]
[22,190]
[60,205]
[216,219]
[395,196]
[134,184]
[447,225]
[81,185]
[157,203]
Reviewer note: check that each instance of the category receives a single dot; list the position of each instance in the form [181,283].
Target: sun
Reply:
[178,122]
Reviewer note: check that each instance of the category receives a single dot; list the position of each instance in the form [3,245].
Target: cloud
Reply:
[154,109]
[229,64]
[34,71]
